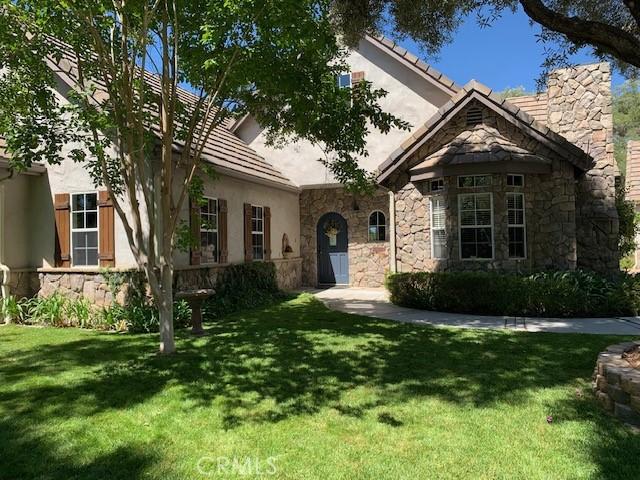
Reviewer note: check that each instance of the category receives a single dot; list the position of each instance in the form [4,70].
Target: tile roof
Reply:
[519,117]
[480,144]
[388,45]
[632,179]
[534,105]
[223,148]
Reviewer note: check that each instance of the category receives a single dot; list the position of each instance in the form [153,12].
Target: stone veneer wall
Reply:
[368,261]
[23,283]
[93,285]
[549,211]
[617,385]
[580,109]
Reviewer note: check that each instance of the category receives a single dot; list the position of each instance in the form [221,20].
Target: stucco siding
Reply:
[410,97]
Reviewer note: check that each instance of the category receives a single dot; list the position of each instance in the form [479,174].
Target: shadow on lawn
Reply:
[298,357]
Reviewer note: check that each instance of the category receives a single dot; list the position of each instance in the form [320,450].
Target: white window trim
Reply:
[515,175]
[256,232]
[523,225]
[85,230]
[212,230]
[460,227]
[431,200]
[377,225]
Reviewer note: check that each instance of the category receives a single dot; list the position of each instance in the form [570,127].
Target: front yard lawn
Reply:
[325,394]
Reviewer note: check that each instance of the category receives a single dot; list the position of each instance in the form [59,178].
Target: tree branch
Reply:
[607,38]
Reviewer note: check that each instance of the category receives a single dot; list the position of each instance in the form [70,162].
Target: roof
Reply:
[223,148]
[534,105]
[632,180]
[512,113]
[481,144]
[426,71]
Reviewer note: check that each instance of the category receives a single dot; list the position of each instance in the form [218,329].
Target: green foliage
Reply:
[629,223]
[242,286]
[546,294]
[626,119]
[12,309]
[49,310]
[509,92]
[79,312]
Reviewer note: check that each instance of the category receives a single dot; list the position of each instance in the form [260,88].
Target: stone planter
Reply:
[617,385]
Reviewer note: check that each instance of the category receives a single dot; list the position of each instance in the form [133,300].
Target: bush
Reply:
[247,285]
[548,294]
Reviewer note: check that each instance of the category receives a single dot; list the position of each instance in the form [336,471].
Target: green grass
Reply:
[329,395]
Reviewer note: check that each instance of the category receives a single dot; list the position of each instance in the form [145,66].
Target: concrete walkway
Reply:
[375,303]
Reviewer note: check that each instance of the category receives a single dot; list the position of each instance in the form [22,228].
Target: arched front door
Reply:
[333,242]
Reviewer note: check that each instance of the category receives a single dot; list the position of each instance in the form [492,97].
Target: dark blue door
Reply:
[333,242]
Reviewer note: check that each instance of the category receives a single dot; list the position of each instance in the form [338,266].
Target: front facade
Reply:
[479,183]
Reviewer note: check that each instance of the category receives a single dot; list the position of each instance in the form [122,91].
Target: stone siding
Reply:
[580,109]
[23,283]
[368,261]
[550,215]
[617,385]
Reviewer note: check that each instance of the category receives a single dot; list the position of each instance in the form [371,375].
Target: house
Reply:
[479,183]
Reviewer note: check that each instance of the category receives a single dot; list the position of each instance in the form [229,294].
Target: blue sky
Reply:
[507,54]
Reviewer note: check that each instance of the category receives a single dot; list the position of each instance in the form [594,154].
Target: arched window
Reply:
[377,227]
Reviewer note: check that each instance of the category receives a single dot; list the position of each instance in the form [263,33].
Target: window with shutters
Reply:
[438,228]
[209,249]
[377,227]
[475,213]
[84,229]
[257,232]
[516,225]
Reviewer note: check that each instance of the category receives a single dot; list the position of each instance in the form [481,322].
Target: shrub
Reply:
[79,313]
[549,294]
[48,310]
[12,309]
[241,286]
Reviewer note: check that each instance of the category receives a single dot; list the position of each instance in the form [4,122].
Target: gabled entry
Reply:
[333,257]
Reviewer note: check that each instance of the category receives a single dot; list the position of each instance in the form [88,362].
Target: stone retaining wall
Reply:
[617,385]
[92,284]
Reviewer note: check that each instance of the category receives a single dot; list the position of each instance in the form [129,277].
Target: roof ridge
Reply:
[401,52]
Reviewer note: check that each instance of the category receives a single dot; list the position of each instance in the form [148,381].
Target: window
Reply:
[438,230]
[476,225]
[377,227]
[474,181]
[257,232]
[515,180]
[84,229]
[516,225]
[209,230]
[344,80]
[436,185]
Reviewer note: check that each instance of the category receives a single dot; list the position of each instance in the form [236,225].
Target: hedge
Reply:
[546,294]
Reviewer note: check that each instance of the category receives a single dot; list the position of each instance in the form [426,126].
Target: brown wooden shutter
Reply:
[356,77]
[106,239]
[248,241]
[223,240]
[63,230]
[195,224]
[267,233]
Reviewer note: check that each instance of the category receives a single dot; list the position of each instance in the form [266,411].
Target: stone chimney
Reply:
[580,109]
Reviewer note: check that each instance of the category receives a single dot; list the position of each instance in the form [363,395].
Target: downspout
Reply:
[5,272]
[392,233]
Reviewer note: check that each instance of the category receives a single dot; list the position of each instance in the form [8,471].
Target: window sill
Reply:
[95,269]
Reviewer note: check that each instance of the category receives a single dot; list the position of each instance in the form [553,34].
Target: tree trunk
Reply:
[165,310]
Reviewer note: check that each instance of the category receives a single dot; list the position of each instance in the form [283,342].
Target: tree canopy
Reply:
[141,135]
[611,28]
